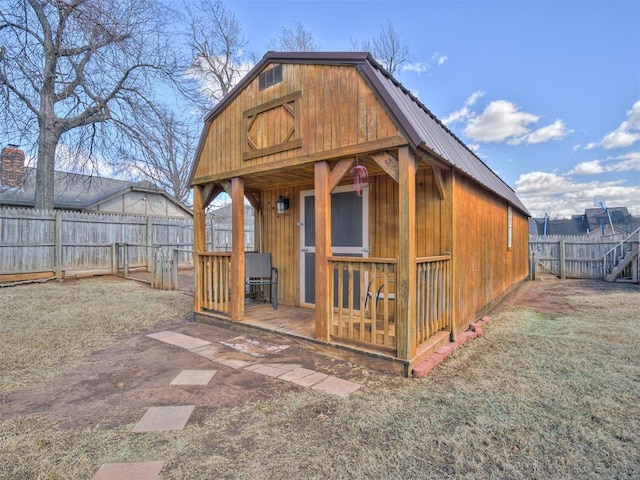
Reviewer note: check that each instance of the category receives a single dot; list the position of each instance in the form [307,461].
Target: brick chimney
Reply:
[12,167]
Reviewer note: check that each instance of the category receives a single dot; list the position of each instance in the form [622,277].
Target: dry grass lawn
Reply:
[543,394]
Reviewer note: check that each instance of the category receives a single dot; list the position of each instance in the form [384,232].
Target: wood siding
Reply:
[484,267]
[336,112]
[281,233]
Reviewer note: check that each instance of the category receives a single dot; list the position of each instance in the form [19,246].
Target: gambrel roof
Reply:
[422,130]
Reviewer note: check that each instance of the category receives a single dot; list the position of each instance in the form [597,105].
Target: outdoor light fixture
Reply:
[282,204]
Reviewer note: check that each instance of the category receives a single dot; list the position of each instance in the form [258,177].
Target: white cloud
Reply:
[625,135]
[623,163]
[500,120]
[555,131]
[439,59]
[628,162]
[562,197]
[416,67]
[464,113]
[587,168]
[503,121]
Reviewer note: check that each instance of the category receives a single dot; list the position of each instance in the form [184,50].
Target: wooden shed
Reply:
[389,266]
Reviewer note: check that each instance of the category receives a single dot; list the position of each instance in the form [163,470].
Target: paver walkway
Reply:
[158,419]
[288,372]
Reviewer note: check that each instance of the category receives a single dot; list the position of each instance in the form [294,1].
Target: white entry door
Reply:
[349,233]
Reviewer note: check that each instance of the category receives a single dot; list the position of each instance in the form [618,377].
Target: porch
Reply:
[363,318]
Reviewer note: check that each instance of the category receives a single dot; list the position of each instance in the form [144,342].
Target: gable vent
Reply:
[270,77]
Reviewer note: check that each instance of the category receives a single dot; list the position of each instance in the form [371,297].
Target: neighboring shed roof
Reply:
[420,126]
[75,191]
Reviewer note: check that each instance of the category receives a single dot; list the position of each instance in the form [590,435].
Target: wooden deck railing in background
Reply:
[433,312]
[213,282]
[363,297]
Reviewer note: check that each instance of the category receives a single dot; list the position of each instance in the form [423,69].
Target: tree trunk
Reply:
[48,138]
[47,143]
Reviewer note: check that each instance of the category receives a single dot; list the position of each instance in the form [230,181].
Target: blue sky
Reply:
[546,92]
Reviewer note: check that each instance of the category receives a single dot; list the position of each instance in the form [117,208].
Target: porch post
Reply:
[323,248]
[198,244]
[407,296]
[237,249]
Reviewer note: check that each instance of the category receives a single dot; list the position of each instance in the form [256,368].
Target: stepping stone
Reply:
[269,370]
[309,380]
[194,377]
[208,352]
[337,386]
[296,374]
[129,471]
[158,419]
[233,363]
[179,340]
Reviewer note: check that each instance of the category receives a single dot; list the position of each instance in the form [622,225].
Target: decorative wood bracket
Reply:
[388,164]
[437,175]
[339,171]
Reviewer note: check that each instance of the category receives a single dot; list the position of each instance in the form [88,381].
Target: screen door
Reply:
[349,234]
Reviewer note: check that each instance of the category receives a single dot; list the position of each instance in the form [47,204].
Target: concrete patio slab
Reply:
[129,471]
[159,419]
[193,377]
[337,386]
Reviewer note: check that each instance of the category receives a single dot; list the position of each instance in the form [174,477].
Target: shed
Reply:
[389,266]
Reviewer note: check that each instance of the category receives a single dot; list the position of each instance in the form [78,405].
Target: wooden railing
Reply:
[618,261]
[362,293]
[433,312]
[213,281]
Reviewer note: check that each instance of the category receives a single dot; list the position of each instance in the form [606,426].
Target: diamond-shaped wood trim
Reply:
[272,127]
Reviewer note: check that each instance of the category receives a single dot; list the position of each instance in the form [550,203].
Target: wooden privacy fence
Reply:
[569,256]
[54,244]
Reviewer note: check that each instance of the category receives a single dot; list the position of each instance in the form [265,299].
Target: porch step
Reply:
[426,366]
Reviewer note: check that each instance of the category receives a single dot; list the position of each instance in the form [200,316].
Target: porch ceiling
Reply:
[297,175]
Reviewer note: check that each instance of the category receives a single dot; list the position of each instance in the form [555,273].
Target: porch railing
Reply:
[214,281]
[362,293]
[433,312]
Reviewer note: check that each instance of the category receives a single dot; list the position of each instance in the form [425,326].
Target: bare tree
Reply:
[75,64]
[158,147]
[387,47]
[295,39]
[217,45]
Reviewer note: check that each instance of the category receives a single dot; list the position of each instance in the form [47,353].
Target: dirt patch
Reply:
[118,383]
[553,296]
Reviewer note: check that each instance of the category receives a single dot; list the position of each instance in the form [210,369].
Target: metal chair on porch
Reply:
[380,289]
[259,273]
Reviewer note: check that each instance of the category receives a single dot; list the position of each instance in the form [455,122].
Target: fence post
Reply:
[125,267]
[114,258]
[149,238]
[563,255]
[57,252]
[174,269]
[533,263]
